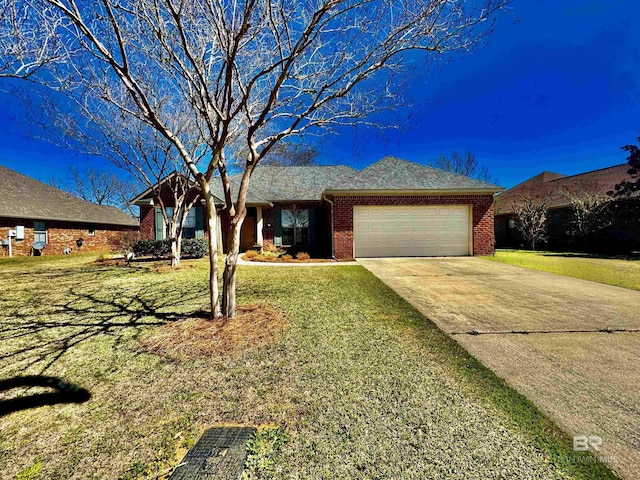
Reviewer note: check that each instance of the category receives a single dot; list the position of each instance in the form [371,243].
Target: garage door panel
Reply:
[390,231]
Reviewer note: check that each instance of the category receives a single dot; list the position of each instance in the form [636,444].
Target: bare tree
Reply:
[287,154]
[463,164]
[591,212]
[253,71]
[132,146]
[531,218]
[628,188]
[99,187]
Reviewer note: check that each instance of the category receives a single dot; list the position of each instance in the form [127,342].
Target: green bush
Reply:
[194,247]
[191,247]
[153,248]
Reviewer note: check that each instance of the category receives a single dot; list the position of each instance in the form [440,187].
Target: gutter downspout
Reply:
[332,232]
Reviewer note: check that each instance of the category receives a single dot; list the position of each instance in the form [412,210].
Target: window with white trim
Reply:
[40,232]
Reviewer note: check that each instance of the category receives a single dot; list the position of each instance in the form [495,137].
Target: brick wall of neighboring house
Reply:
[482,205]
[107,238]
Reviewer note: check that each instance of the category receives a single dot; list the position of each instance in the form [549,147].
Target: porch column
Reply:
[259,225]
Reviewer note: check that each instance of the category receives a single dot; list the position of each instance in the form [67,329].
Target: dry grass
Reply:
[341,383]
[193,338]
[169,269]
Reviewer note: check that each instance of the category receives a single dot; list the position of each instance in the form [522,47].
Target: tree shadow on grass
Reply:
[59,391]
[42,338]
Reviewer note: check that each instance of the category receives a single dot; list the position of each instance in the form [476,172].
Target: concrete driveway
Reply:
[586,379]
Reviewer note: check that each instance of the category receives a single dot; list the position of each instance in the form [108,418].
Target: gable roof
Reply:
[26,198]
[280,183]
[552,186]
[147,196]
[393,173]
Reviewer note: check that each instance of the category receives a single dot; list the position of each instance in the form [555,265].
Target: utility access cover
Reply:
[219,454]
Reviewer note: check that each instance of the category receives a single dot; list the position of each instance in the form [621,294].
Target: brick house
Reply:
[41,215]
[391,208]
[623,235]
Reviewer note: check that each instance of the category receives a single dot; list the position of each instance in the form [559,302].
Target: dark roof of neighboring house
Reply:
[24,197]
[278,183]
[553,186]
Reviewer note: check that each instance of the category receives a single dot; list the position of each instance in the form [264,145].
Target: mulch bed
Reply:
[197,337]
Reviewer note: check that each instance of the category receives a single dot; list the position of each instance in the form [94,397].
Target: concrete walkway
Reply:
[545,334]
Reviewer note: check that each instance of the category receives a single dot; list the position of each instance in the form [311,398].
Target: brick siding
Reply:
[482,206]
[147,223]
[107,238]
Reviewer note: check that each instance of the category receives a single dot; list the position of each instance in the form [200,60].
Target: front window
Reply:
[190,222]
[295,227]
[39,232]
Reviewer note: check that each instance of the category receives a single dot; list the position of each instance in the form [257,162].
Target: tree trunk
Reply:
[175,239]
[212,216]
[175,252]
[230,270]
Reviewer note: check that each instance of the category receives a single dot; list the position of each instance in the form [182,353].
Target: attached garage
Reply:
[412,231]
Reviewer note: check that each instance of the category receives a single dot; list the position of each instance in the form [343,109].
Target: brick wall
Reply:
[107,238]
[147,223]
[482,206]
[268,226]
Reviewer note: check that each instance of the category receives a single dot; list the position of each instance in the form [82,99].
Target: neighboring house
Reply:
[391,208]
[41,214]
[623,235]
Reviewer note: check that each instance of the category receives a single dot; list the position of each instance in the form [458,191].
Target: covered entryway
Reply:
[412,231]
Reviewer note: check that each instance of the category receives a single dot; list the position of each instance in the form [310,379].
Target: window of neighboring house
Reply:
[91,231]
[40,232]
[295,227]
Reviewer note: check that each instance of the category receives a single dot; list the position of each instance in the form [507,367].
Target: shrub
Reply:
[194,247]
[154,248]
[191,247]
[270,248]
[286,258]
[250,255]
[303,256]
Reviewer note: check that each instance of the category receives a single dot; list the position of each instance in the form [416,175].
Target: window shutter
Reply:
[159,224]
[278,228]
[199,221]
[312,226]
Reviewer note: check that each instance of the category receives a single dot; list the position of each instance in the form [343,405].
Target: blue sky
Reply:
[556,88]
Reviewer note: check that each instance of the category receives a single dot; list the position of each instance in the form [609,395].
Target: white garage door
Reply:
[411,231]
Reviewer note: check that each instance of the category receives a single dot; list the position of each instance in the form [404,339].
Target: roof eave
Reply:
[459,191]
[133,223]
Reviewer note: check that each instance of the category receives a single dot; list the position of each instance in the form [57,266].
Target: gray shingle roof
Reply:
[24,197]
[276,183]
[393,173]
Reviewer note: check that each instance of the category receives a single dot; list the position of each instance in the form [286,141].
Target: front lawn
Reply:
[359,383]
[621,272]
